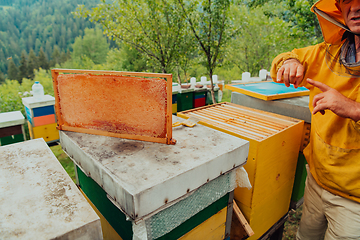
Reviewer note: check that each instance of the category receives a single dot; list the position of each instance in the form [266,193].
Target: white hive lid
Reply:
[38,199]
[142,177]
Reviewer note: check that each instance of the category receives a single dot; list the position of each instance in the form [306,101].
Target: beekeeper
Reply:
[331,71]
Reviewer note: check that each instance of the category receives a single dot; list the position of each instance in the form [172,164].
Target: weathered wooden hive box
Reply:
[274,147]
[11,128]
[41,118]
[147,190]
[38,199]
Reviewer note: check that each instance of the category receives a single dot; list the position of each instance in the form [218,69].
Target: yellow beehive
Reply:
[274,148]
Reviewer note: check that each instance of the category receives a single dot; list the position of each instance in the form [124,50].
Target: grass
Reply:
[292,224]
[65,161]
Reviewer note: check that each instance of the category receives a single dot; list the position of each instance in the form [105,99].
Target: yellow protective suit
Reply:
[333,153]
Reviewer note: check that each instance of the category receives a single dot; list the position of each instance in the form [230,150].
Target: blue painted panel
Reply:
[200,96]
[269,88]
[42,111]
[28,115]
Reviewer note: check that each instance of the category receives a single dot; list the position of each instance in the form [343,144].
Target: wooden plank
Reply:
[244,224]
[110,134]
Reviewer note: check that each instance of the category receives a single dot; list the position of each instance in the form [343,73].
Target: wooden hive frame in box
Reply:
[113,81]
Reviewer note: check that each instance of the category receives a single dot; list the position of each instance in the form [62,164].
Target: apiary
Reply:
[117,104]
[38,199]
[147,190]
[11,128]
[41,119]
[274,147]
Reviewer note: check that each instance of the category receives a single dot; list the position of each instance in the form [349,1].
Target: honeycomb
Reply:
[117,104]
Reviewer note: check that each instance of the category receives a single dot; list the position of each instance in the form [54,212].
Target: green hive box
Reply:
[185,99]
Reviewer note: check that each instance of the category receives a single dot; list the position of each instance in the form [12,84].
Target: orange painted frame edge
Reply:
[167,140]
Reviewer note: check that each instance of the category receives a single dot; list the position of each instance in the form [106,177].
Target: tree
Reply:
[93,45]
[132,60]
[12,70]
[55,57]
[2,78]
[212,27]
[42,60]
[157,30]
[32,64]
[23,68]
[303,23]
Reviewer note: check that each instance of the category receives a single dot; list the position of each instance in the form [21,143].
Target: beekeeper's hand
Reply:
[333,100]
[291,72]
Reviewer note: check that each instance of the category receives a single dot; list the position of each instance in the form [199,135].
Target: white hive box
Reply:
[38,200]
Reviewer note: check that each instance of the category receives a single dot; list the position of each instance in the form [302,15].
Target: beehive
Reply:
[199,97]
[295,107]
[185,99]
[274,147]
[171,191]
[118,104]
[11,128]
[41,118]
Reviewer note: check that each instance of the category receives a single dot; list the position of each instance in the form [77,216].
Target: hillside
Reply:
[35,24]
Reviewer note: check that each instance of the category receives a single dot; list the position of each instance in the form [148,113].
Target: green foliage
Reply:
[157,30]
[2,78]
[65,161]
[32,64]
[13,70]
[131,59]
[23,68]
[30,24]
[42,60]
[55,57]
[93,46]
[12,92]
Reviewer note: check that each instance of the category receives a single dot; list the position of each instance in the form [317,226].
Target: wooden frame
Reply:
[295,93]
[63,126]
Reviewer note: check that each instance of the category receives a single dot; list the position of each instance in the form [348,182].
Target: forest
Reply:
[225,38]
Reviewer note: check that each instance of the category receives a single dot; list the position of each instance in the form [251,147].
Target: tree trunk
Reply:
[212,88]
